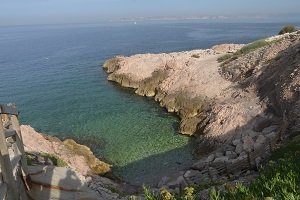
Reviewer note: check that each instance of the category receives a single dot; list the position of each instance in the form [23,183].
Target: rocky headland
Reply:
[238,101]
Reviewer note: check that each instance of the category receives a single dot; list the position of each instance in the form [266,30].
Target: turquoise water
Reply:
[54,75]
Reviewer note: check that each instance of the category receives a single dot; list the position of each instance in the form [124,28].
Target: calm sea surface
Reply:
[54,75]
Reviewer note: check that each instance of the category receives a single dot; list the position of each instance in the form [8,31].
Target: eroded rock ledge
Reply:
[187,83]
[78,157]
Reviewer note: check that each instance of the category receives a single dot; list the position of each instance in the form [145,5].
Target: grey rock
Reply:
[164,180]
[203,194]
[181,182]
[239,148]
[210,158]
[258,160]
[248,144]
[195,176]
[243,153]
[219,154]
[253,134]
[261,139]
[191,173]
[213,173]
[257,146]
[261,123]
[259,142]
[200,165]
[228,148]
[231,154]
[172,185]
[270,129]
[271,135]
[221,159]
[236,142]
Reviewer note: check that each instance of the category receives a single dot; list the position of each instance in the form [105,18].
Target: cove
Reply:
[54,75]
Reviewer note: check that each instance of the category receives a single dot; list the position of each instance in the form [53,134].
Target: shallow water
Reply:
[54,75]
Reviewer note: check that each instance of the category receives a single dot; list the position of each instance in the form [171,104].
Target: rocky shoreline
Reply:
[78,158]
[237,109]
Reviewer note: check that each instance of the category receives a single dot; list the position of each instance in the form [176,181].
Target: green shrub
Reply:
[252,46]
[223,58]
[195,56]
[55,159]
[31,159]
[188,194]
[149,195]
[244,50]
[287,29]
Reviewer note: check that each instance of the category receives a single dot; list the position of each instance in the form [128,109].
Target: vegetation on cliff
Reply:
[244,50]
[97,166]
[287,29]
[279,179]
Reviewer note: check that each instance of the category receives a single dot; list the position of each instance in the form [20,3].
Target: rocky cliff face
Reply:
[184,82]
[273,72]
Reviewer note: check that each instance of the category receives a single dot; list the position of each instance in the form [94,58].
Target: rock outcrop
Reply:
[238,110]
[184,82]
[78,157]
[83,175]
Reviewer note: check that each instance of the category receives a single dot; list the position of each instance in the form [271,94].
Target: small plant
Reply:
[215,195]
[166,195]
[189,193]
[32,159]
[287,29]
[223,58]
[55,159]
[252,46]
[29,159]
[149,195]
[195,56]
[227,58]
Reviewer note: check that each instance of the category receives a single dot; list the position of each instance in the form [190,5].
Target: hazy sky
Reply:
[93,11]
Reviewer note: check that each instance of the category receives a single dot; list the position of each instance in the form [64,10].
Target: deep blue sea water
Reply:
[54,75]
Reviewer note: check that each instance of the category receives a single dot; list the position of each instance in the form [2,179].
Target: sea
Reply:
[53,73]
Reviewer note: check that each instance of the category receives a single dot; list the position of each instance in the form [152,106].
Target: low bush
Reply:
[55,159]
[223,58]
[287,29]
[195,56]
[244,50]
[252,46]
[187,194]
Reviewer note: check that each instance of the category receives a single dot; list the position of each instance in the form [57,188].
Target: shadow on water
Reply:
[150,170]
